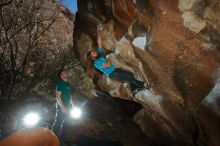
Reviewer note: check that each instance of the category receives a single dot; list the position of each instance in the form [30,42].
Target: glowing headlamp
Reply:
[31,119]
[76,113]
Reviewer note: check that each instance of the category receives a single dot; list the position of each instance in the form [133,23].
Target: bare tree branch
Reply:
[5,4]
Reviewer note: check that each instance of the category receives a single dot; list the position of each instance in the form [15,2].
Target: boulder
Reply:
[174,45]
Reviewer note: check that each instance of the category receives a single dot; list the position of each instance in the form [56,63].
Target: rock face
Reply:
[174,45]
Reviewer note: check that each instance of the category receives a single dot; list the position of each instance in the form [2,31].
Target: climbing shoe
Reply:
[148,85]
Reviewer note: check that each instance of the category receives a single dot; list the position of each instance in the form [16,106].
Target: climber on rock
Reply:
[103,64]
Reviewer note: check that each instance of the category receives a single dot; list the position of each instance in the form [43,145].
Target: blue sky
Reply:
[71,4]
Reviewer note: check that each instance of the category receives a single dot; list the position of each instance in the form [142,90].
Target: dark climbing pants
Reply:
[60,122]
[125,76]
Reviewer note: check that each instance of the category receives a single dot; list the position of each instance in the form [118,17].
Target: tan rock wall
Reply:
[180,57]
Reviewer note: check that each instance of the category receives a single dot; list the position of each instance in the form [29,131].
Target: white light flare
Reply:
[31,119]
[76,113]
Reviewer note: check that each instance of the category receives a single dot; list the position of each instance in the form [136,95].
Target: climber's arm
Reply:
[99,39]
